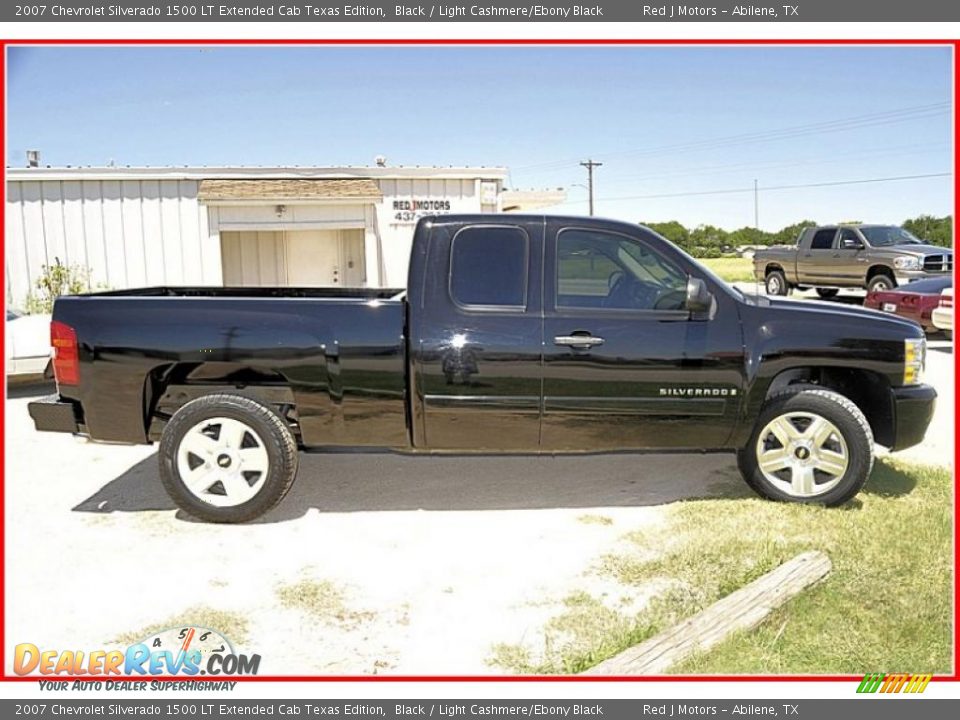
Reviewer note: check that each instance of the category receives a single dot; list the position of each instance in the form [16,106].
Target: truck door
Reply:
[625,364]
[815,262]
[478,332]
[849,257]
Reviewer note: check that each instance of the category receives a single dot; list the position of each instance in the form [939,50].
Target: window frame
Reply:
[556,308]
[481,308]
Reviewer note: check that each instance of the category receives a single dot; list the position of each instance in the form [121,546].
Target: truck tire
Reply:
[827,293]
[226,458]
[809,446]
[776,283]
[881,282]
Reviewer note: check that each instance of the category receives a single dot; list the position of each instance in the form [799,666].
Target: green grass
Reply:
[885,607]
[734,269]
[321,599]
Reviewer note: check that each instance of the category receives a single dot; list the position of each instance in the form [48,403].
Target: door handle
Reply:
[578,342]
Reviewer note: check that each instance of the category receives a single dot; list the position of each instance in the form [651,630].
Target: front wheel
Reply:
[881,283]
[227,458]
[809,446]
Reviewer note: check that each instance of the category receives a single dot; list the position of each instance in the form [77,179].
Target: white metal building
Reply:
[307,226]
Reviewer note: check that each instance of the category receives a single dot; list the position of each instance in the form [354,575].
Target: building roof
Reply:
[287,190]
[242,172]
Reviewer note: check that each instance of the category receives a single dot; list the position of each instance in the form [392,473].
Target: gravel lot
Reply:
[416,564]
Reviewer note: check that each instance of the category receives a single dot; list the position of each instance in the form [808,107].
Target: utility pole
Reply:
[590,165]
[756,205]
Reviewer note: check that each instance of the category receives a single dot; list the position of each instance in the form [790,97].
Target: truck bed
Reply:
[344,293]
[340,352]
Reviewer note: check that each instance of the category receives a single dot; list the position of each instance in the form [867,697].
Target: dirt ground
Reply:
[375,563]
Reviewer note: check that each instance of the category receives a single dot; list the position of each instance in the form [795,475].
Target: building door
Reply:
[253,258]
[299,258]
[325,258]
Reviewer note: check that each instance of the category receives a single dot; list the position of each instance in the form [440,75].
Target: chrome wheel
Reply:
[802,454]
[222,461]
[773,285]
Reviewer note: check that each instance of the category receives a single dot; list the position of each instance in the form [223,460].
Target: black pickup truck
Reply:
[515,334]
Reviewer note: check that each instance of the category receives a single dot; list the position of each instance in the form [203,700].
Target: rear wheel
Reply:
[227,458]
[809,446]
[827,293]
[776,283]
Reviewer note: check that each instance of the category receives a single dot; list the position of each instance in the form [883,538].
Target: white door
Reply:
[352,259]
[252,258]
[313,258]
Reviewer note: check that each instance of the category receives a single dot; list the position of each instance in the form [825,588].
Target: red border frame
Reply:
[955,44]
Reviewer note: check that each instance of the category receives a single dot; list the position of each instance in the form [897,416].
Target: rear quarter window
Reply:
[488,267]
[823,239]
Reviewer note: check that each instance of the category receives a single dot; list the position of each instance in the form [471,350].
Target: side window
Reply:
[849,239]
[488,267]
[823,239]
[606,270]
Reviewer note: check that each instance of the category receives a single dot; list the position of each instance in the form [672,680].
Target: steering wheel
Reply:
[630,294]
[671,300]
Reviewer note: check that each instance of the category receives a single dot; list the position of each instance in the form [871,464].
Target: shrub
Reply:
[56,280]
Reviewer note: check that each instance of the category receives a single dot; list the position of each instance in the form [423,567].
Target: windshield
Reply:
[889,235]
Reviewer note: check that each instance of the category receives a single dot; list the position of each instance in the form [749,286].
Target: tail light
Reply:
[946,301]
[66,353]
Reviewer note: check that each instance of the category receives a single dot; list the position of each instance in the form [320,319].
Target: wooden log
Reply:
[743,609]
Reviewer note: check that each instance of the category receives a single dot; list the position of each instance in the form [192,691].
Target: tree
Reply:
[672,231]
[934,230]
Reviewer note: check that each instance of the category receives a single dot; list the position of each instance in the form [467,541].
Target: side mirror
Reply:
[848,244]
[699,298]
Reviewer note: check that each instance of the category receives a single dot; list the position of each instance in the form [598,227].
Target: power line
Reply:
[916,112]
[731,191]
[886,152]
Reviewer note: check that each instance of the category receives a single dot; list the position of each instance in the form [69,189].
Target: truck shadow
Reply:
[387,482]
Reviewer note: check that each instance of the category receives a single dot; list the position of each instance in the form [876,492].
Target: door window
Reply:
[823,239]
[849,240]
[607,270]
[488,267]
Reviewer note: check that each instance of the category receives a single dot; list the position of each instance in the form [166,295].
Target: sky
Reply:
[683,122]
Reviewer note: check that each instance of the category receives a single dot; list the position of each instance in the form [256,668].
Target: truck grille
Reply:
[938,263]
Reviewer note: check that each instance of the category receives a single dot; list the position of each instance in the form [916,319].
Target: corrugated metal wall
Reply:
[128,233]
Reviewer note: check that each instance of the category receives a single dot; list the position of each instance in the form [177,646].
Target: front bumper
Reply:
[51,414]
[905,277]
[912,412]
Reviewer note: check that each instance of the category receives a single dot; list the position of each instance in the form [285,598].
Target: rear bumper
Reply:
[942,318]
[912,412]
[50,414]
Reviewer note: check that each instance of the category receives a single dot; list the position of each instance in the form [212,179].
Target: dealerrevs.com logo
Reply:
[188,651]
[893,683]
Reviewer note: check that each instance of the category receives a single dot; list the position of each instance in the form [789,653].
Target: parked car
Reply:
[28,343]
[942,316]
[875,257]
[915,301]
[516,334]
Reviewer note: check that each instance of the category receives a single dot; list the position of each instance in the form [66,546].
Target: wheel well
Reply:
[169,387]
[878,270]
[770,268]
[868,390]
